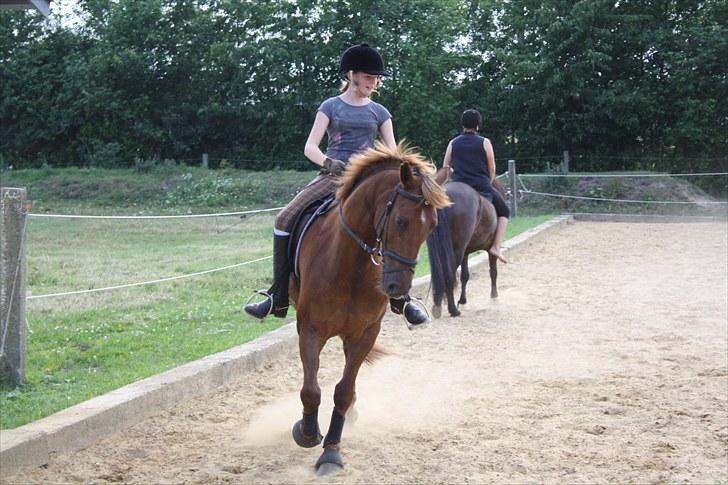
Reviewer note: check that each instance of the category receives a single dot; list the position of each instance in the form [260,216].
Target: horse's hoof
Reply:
[305,441]
[455,313]
[494,294]
[436,311]
[329,462]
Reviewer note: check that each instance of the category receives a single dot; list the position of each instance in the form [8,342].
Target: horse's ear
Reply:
[406,177]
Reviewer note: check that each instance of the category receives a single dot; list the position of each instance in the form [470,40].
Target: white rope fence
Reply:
[184,216]
[525,190]
[606,175]
[629,201]
[160,280]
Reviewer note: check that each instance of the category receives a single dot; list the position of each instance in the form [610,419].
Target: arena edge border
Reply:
[79,426]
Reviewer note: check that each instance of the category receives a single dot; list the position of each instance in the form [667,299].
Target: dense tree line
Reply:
[613,82]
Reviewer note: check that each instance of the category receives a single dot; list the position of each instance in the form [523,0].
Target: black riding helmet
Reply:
[362,58]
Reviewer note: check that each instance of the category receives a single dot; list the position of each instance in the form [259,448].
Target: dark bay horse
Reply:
[355,257]
[466,226]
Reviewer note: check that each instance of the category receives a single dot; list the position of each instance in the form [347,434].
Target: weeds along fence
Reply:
[144,252]
[617,192]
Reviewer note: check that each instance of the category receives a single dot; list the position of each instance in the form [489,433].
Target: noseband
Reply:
[380,248]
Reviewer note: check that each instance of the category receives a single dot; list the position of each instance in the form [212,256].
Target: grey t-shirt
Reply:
[352,129]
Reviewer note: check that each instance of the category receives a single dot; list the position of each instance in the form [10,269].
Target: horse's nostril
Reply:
[391,288]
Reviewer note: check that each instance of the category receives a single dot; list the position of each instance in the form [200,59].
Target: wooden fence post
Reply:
[565,163]
[205,161]
[513,183]
[12,285]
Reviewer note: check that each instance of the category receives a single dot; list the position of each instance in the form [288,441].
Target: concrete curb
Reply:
[654,218]
[79,426]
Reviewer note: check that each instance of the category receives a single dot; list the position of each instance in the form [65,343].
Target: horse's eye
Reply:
[401,223]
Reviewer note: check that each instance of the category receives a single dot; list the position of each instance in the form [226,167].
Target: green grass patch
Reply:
[163,188]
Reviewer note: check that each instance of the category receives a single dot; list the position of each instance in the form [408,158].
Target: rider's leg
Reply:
[502,211]
[277,302]
[495,249]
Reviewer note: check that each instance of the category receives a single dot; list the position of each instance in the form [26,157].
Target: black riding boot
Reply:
[278,293]
[412,313]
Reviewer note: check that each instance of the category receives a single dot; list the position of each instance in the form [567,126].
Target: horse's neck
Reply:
[360,208]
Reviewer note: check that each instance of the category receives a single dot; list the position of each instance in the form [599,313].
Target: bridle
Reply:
[380,246]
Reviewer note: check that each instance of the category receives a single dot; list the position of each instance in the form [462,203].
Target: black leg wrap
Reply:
[333,437]
[310,424]
[306,432]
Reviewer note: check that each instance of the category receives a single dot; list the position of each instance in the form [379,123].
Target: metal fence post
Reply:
[12,285]
[513,184]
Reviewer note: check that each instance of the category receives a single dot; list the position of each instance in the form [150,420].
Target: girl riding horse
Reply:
[351,121]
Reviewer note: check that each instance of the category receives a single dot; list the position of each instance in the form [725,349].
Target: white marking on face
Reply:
[423,217]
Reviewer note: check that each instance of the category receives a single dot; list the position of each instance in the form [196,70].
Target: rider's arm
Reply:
[387,131]
[490,155]
[447,158]
[312,150]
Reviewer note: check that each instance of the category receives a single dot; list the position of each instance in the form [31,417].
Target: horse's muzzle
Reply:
[396,284]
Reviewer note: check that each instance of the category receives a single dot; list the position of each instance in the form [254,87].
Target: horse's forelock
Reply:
[381,157]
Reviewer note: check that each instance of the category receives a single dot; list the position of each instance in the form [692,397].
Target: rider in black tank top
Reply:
[471,159]
[467,148]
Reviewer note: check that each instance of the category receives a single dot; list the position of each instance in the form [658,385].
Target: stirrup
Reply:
[265,294]
[422,306]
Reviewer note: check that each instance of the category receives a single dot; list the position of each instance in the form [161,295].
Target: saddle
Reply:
[303,223]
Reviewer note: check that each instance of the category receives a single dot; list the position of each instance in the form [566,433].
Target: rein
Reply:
[379,247]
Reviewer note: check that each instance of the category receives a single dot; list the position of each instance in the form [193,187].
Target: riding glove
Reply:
[334,167]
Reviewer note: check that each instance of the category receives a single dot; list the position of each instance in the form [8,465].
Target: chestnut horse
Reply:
[466,226]
[352,260]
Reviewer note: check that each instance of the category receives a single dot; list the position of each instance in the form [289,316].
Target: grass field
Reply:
[81,346]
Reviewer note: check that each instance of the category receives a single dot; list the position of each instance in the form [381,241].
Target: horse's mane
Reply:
[381,157]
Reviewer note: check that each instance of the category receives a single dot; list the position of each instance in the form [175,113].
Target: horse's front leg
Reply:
[356,351]
[306,431]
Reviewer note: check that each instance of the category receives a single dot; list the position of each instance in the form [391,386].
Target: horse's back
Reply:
[462,214]
[474,214]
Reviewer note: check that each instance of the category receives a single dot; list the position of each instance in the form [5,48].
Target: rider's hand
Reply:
[334,167]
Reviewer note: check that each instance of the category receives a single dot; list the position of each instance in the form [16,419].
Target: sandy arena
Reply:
[605,359]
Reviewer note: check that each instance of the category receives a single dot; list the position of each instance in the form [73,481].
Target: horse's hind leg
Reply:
[306,431]
[355,351]
[464,278]
[451,306]
[437,304]
[493,264]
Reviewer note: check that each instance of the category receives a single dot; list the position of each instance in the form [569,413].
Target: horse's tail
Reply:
[442,256]
[376,353]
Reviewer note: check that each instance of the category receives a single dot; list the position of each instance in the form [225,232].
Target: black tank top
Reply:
[469,162]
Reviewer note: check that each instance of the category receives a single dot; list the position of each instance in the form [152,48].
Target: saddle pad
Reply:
[302,225]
